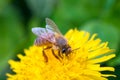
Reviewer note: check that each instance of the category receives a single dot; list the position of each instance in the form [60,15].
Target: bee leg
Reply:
[47,48]
[59,54]
[45,56]
[54,54]
[66,54]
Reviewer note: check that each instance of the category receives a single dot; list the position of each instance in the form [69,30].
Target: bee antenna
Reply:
[75,49]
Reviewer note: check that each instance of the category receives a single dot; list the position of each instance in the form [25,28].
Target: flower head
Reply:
[81,64]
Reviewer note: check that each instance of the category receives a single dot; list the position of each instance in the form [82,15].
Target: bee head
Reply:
[66,49]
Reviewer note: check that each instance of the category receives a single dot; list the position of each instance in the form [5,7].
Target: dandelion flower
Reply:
[83,63]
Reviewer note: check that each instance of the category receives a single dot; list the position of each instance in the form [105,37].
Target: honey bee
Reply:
[52,37]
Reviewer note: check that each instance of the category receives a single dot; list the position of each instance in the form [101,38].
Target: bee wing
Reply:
[38,31]
[51,26]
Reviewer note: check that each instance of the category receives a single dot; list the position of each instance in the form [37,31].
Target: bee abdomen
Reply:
[40,42]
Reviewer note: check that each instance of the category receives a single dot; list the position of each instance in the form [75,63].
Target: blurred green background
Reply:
[17,17]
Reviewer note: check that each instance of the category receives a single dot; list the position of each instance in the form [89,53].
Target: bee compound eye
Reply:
[63,50]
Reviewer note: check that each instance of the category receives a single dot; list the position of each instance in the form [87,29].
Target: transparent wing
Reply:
[38,31]
[51,26]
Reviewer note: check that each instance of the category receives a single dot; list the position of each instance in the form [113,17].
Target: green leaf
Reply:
[3,3]
[11,34]
[105,31]
[41,8]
